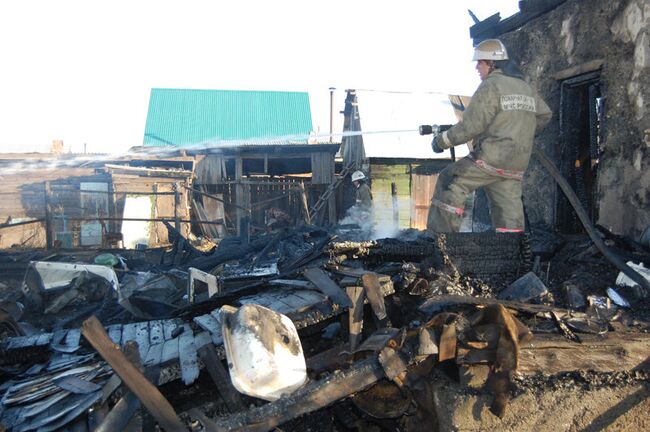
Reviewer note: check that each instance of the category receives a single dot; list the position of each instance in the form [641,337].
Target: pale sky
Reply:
[82,71]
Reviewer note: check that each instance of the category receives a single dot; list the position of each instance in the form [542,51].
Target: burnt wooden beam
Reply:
[437,303]
[311,397]
[553,354]
[375,297]
[355,315]
[529,11]
[148,394]
[221,378]
[233,251]
[118,418]
[327,286]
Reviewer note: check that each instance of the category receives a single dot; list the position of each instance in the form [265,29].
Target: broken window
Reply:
[581,111]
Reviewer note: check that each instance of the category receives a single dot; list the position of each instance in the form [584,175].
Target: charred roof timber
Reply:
[494,26]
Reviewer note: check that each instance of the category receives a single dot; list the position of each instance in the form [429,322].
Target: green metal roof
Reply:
[182,117]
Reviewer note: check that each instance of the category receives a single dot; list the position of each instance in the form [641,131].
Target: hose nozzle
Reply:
[432,129]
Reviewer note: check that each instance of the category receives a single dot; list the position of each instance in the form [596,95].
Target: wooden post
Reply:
[331,205]
[305,206]
[239,192]
[118,418]
[177,203]
[245,230]
[393,192]
[48,216]
[355,313]
[148,394]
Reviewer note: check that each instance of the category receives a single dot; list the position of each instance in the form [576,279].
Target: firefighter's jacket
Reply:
[502,119]
[363,196]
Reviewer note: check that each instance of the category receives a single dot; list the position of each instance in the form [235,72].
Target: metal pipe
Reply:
[331,112]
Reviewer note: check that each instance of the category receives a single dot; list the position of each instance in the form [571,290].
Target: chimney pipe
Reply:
[331,112]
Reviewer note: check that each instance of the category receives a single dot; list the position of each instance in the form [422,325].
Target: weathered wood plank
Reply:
[267,299]
[168,327]
[187,356]
[154,355]
[169,351]
[208,322]
[156,332]
[327,286]
[355,315]
[553,354]
[150,396]
[311,397]
[202,339]
[373,292]
[142,338]
[221,378]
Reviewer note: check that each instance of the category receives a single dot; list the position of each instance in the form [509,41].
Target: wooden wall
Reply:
[415,181]
[22,196]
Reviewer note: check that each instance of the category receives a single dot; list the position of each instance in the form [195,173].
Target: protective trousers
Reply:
[456,182]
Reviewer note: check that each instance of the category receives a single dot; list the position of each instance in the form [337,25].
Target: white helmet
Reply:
[358,175]
[490,49]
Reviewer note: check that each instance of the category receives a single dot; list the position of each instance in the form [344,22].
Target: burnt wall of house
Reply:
[579,33]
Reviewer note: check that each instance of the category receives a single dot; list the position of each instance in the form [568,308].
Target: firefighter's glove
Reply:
[436,143]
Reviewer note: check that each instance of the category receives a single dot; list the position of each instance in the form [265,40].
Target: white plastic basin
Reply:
[263,350]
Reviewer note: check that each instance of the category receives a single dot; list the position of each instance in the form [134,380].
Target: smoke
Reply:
[372,224]
[385,227]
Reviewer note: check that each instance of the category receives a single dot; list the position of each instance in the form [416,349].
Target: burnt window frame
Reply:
[575,121]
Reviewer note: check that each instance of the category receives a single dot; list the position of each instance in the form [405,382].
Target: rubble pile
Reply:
[257,332]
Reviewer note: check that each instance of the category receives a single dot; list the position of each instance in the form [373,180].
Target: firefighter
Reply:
[362,194]
[502,118]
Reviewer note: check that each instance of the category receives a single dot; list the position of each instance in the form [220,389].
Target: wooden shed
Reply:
[83,201]
[243,182]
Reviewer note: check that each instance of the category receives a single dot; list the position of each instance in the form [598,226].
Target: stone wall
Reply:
[573,38]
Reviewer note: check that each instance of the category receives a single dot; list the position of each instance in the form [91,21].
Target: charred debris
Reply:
[129,339]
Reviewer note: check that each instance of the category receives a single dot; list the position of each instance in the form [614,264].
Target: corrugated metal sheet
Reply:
[182,117]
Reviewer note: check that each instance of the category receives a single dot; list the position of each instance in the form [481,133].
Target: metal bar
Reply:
[161,219]
[285,194]
[48,218]
[9,225]
[217,198]
[125,192]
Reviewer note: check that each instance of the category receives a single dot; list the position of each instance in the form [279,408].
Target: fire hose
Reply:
[586,223]
[577,206]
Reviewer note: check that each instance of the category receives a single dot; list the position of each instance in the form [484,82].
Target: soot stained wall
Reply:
[579,33]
